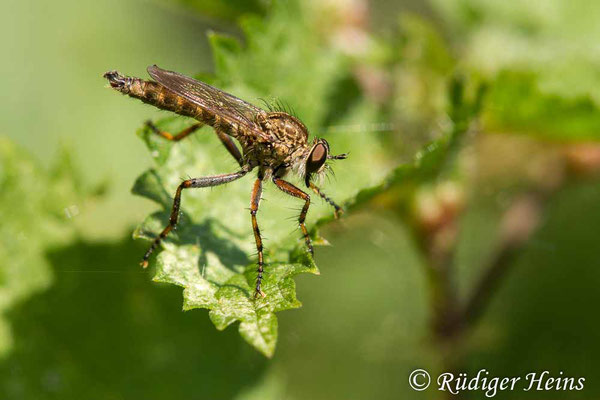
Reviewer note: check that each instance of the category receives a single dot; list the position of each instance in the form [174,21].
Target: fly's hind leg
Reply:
[208,181]
[292,190]
[175,138]
[223,137]
[337,209]
[254,202]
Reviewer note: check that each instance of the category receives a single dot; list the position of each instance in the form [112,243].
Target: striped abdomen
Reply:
[154,93]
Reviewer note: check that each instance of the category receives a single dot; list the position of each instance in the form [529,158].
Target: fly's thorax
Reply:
[285,128]
[288,139]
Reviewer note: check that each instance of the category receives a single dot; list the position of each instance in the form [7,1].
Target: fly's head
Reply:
[314,162]
[309,160]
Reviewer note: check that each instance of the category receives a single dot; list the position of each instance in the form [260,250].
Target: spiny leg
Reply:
[338,210]
[225,139]
[254,202]
[175,138]
[208,181]
[294,191]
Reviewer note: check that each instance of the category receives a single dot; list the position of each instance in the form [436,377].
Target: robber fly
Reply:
[274,142]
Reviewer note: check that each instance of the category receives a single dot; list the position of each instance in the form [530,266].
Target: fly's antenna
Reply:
[342,156]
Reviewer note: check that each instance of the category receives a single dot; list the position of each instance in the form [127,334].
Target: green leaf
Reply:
[225,49]
[516,104]
[211,254]
[37,210]
[543,84]
[96,282]
[434,161]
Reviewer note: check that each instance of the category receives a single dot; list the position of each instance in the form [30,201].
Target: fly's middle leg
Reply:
[230,146]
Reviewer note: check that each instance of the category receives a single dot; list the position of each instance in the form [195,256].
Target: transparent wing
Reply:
[215,101]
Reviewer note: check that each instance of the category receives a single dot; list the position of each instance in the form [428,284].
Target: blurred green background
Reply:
[510,220]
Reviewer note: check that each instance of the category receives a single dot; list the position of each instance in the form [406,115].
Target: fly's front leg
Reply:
[171,137]
[294,191]
[254,202]
[208,181]
[338,210]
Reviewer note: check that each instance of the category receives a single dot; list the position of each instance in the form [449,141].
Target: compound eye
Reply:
[316,158]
